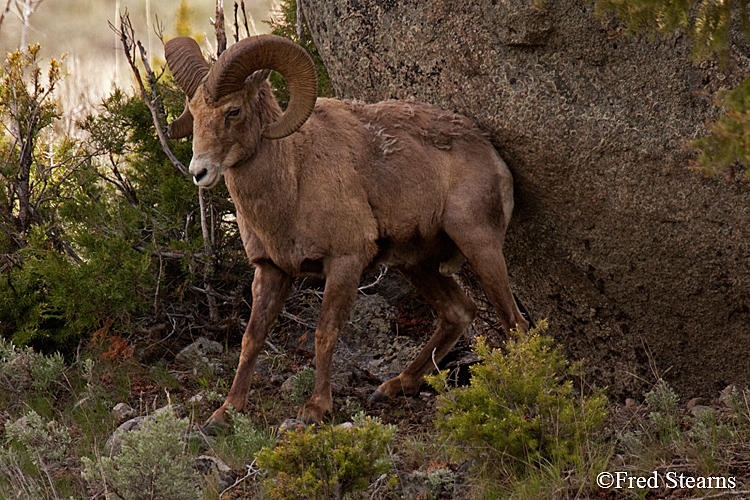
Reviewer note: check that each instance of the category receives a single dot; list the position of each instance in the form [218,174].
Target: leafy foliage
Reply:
[31,450]
[303,383]
[521,408]
[152,463]
[709,24]
[327,462]
[28,180]
[284,23]
[245,439]
[23,369]
[713,27]
[112,230]
[729,141]
[702,442]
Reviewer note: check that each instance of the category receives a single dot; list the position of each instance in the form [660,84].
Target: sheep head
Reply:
[222,111]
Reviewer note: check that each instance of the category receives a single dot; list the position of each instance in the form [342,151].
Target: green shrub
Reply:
[245,439]
[284,23]
[520,410]
[32,455]
[704,441]
[327,462]
[152,463]
[303,383]
[24,369]
[663,401]
[738,402]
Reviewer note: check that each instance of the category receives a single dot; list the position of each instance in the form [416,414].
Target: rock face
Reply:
[629,253]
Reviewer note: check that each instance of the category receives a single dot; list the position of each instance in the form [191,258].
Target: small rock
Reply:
[372,314]
[727,393]
[375,364]
[277,379]
[344,378]
[346,425]
[197,352]
[122,412]
[201,441]
[197,399]
[114,443]
[291,424]
[696,402]
[207,465]
[288,385]
[216,366]
[263,367]
[698,409]
[364,392]
[630,403]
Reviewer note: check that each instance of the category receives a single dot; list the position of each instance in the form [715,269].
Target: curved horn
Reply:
[186,62]
[269,52]
[189,69]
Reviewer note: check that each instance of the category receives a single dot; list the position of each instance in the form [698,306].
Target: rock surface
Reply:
[214,467]
[196,356]
[627,252]
[122,412]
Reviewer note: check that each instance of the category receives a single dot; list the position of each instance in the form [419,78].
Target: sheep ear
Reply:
[254,81]
[182,126]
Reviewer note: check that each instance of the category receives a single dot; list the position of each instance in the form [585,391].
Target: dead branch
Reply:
[127,36]
[236,24]
[5,11]
[213,311]
[244,17]
[300,20]
[221,35]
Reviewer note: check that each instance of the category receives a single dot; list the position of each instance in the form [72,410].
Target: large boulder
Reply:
[634,258]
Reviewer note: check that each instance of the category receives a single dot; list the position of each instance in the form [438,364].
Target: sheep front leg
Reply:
[342,280]
[270,288]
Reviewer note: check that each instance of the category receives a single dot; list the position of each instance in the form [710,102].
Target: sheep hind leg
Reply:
[455,312]
[270,288]
[482,247]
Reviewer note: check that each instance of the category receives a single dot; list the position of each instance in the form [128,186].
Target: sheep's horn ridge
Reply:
[186,62]
[189,69]
[269,52]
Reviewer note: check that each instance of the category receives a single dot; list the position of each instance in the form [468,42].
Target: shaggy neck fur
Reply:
[262,184]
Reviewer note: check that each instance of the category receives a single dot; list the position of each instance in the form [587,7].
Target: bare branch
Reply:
[221,35]
[5,11]
[244,18]
[213,312]
[300,20]
[236,24]
[127,36]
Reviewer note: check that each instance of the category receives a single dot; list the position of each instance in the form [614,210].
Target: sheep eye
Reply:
[232,113]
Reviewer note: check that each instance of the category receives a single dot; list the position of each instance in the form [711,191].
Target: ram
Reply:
[329,188]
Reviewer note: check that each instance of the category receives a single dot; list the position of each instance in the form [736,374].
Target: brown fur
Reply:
[398,182]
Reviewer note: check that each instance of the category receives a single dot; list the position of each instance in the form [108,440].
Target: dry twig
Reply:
[127,36]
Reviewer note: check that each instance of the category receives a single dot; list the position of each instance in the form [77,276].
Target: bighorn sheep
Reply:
[331,187]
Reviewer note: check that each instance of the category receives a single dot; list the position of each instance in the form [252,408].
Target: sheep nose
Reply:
[200,175]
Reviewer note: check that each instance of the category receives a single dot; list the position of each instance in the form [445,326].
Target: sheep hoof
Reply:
[378,397]
[214,427]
